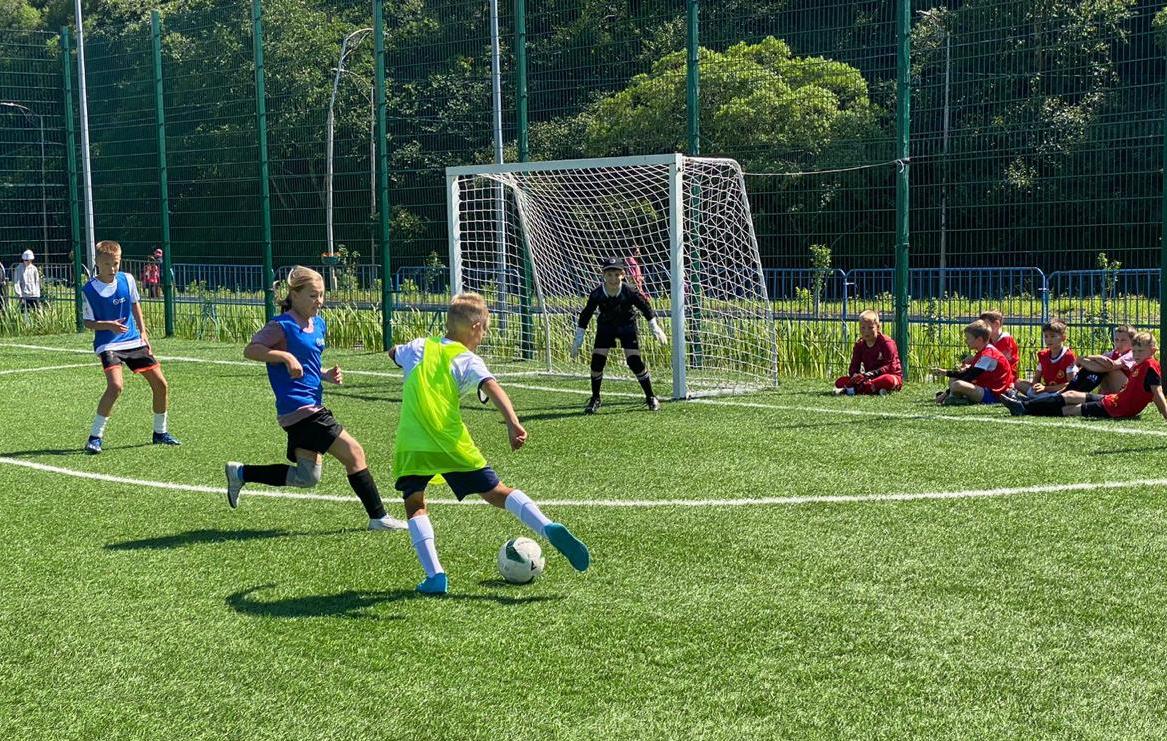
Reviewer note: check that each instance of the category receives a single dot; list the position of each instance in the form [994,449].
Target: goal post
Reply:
[531,236]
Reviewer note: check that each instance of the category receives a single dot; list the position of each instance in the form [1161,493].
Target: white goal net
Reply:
[530,237]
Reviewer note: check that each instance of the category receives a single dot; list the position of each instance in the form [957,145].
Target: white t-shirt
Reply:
[105,290]
[468,369]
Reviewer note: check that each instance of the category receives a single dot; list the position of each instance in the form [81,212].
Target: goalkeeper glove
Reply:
[658,332]
[579,337]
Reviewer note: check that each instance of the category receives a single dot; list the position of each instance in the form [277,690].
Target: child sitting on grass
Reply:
[1001,339]
[1055,364]
[876,354]
[1109,370]
[984,379]
[1144,387]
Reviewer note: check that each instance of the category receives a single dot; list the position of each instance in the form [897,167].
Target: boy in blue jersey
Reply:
[112,312]
[291,346]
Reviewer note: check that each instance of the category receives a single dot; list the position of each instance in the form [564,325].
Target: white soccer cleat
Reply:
[387,523]
[234,473]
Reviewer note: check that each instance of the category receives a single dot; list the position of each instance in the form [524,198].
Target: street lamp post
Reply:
[29,113]
[346,47]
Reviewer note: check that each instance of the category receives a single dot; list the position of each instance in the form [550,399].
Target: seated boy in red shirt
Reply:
[1056,364]
[1144,387]
[1110,370]
[877,355]
[1001,339]
[986,377]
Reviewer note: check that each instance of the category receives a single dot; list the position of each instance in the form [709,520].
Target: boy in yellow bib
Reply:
[433,442]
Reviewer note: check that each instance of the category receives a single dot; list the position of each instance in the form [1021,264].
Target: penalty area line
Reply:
[1086,486]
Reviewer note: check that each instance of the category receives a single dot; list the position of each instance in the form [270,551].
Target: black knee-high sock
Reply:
[636,365]
[274,475]
[1051,407]
[366,490]
[598,363]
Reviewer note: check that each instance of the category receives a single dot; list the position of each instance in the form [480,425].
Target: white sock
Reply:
[523,507]
[421,532]
[160,423]
[98,429]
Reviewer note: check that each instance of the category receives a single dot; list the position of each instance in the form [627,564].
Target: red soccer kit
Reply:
[1008,347]
[1124,360]
[881,358]
[1056,370]
[1137,393]
[997,374]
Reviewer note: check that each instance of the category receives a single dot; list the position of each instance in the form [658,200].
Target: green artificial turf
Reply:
[133,611]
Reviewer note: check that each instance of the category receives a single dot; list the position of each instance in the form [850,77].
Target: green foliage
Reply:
[19,15]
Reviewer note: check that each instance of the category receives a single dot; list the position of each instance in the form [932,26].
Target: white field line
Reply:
[630,503]
[1093,426]
[45,368]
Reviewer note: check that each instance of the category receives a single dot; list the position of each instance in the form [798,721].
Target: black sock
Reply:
[1051,407]
[636,365]
[598,363]
[366,489]
[274,475]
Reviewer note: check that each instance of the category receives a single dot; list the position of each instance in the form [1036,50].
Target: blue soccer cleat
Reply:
[165,438]
[93,446]
[436,585]
[569,545]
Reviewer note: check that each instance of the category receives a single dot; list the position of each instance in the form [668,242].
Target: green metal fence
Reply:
[1034,141]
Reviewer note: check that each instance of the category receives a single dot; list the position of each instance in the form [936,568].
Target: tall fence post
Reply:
[269,276]
[693,79]
[526,324]
[71,166]
[383,176]
[903,124]
[163,175]
[1163,240]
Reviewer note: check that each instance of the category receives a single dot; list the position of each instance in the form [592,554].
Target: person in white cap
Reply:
[27,282]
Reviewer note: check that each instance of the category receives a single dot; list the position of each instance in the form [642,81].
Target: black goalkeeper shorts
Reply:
[607,335]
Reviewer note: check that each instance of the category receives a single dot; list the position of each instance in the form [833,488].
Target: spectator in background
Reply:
[27,282]
[635,273]
[152,275]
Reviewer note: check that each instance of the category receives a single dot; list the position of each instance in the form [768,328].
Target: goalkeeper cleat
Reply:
[387,523]
[653,404]
[93,445]
[570,546]
[593,405]
[435,585]
[234,473]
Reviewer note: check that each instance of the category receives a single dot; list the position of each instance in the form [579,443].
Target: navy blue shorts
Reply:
[989,397]
[463,483]
[1085,381]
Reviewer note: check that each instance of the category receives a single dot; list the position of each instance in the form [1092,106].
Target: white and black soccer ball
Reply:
[520,561]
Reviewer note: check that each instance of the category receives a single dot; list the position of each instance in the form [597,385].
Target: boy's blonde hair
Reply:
[992,315]
[1144,339]
[299,278]
[465,310]
[1057,326]
[108,247]
[871,315]
[979,329]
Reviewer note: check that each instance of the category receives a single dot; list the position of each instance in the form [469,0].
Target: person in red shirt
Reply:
[1001,339]
[1056,364]
[1144,387]
[1110,370]
[635,273]
[875,361]
[152,275]
[986,377]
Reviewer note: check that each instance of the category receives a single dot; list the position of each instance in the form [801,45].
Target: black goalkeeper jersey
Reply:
[615,310]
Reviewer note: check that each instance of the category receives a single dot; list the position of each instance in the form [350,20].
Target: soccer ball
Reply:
[520,561]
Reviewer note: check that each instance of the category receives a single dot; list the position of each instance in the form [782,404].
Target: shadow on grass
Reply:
[354,604]
[77,451]
[337,391]
[200,537]
[1122,451]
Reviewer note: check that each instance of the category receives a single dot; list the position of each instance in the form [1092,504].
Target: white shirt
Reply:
[469,370]
[27,280]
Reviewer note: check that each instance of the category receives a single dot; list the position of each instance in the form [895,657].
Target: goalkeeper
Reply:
[616,301]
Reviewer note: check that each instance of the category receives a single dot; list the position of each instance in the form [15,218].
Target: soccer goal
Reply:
[530,237]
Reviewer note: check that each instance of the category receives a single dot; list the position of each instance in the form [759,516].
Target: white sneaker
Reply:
[234,474]
[387,523]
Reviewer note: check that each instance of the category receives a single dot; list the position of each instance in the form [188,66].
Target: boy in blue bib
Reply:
[111,310]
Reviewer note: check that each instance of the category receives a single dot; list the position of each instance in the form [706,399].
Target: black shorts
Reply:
[1085,381]
[607,335]
[138,359]
[1095,409]
[316,433]
[463,483]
